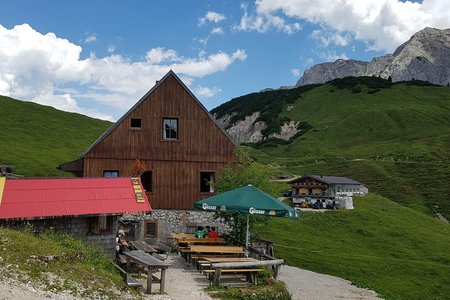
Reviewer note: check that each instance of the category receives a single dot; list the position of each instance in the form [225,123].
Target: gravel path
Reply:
[185,283]
[307,285]
[182,282]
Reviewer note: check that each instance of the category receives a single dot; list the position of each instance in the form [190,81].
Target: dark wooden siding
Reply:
[199,138]
[175,165]
[175,185]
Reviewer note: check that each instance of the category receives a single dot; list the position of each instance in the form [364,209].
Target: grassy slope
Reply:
[35,139]
[397,251]
[396,141]
[83,271]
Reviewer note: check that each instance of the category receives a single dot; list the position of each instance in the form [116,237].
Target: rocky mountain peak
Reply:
[425,56]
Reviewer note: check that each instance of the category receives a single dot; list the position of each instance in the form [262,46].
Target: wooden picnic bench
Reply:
[212,250]
[143,246]
[204,263]
[152,264]
[199,241]
[248,267]
[129,280]
[182,235]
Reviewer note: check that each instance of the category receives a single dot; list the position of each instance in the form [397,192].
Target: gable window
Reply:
[146,179]
[135,123]
[110,173]
[151,229]
[206,182]
[170,128]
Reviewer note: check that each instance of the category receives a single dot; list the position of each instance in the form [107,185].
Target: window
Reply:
[135,123]
[102,223]
[151,229]
[146,179]
[206,182]
[170,128]
[110,173]
[99,225]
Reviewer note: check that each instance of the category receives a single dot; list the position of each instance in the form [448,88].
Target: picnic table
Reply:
[195,241]
[143,246]
[228,259]
[205,262]
[212,250]
[217,249]
[152,264]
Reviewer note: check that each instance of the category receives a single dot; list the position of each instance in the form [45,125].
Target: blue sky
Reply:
[99,57]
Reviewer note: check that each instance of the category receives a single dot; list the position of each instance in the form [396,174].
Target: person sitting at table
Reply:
[200,233]
[207,230]
[213,233]
[121,242]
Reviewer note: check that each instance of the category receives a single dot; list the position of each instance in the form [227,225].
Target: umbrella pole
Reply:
[246,236]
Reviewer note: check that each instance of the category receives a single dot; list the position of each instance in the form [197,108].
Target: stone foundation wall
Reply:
[168,221]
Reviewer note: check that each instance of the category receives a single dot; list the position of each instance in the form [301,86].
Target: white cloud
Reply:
[203,91]
[111,48]
[211,16]
[48,70]
[90,38]
[217,30]
[331,38]
[263,22]
[385,23]
[296,72]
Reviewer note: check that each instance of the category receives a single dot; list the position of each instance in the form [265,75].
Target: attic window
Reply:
[135,123]
[170,128]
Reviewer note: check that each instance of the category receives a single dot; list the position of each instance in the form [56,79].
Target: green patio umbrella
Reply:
[247,200]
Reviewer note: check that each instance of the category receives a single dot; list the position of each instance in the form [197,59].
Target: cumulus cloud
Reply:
[41,68]
[327,38]
[263,22]
[211,16]
[384,23]
[203,91]
[111,48]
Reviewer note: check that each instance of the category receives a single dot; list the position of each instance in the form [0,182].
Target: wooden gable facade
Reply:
[174,136]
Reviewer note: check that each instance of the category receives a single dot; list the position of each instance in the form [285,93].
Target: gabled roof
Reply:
[46,198]
[328,179]
[158,83]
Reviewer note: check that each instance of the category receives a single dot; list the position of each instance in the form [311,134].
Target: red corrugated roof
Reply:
[40,198]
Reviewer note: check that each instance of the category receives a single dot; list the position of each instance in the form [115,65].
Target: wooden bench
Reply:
[130,280]
[231,267]
[165,250]
[249,273]
[159,256]
[143,246]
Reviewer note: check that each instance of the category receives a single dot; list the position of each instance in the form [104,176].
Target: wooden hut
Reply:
[170,140]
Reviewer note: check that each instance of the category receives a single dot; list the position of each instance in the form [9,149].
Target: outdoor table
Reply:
[143,246]
[152,264]
[216,249]
[229,259]
[195,241]
[208,261]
